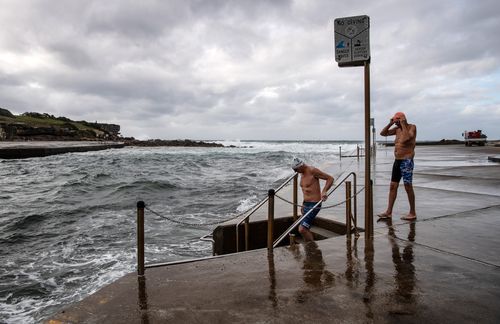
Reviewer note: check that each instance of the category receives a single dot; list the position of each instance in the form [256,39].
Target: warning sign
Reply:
[352,40]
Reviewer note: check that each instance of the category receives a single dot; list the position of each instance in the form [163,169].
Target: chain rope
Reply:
[326,207]
[173,220]
[176,221]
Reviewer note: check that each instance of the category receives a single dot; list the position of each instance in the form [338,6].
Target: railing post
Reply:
[270,220]
[340,152]
[368,189]
[348,210]
[140,238]
[355,203]
[357,151]
[295,197]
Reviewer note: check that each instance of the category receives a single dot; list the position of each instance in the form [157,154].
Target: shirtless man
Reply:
[404,151]
[312,193]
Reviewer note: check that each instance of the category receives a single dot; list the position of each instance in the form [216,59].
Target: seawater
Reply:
[67,222]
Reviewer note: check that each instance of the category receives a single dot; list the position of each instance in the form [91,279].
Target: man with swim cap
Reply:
[312,194]
[404,151]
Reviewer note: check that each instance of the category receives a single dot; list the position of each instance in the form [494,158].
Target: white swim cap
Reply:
[297,163]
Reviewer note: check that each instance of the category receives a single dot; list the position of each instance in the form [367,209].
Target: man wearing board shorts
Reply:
[404,151]
[312,194]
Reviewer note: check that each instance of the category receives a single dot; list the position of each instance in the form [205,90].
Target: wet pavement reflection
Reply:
[404,277]
[352,263]
[370,277]
[272,280]
[143,299]
[315,277]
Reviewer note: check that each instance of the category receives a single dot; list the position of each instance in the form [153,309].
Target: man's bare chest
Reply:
[307,181]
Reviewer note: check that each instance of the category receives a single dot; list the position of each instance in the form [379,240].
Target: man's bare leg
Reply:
[393,193]
[307,235]
[411,199]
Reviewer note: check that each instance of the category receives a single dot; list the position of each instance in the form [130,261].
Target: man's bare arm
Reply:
[408,132]
[387,130]
[324,176]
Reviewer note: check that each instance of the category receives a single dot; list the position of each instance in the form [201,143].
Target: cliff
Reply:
[32,126]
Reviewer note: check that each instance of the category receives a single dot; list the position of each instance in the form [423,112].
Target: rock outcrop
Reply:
[34,126]
[158,142]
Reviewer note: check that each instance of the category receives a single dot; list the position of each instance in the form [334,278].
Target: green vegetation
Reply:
[43,126]
[43,120]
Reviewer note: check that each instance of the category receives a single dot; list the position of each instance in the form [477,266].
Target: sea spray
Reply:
[67,223]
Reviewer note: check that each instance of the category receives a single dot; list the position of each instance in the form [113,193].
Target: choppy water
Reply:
[67,222]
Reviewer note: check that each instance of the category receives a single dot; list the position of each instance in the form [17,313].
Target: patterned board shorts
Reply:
[308,221]
[403,169]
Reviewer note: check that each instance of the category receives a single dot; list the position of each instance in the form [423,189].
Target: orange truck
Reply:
[474,137]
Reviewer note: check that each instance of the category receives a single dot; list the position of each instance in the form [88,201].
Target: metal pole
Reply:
[374,142]
[368,192]
[270,220]
[348,207]
[140,238]
[295,197]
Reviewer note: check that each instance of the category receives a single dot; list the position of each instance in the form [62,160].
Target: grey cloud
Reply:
[201,68]
[72,55]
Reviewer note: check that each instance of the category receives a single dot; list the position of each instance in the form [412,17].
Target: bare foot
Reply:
[384,215]
[409,217]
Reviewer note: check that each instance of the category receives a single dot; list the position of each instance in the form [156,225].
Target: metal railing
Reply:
[349,215]
[246,219]
[270,198]
[358,152]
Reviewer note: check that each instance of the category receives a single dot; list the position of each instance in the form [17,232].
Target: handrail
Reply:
[297,222]
[357,152]
[257,206]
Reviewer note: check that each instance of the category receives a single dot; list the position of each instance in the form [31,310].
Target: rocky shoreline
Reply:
[29,149]
[159,142]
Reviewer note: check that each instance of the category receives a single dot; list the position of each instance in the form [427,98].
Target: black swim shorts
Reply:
[403,169]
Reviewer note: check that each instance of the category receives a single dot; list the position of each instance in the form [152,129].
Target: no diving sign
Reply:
[352,40]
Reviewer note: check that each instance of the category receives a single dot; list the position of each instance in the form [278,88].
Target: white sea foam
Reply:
[71,229]
[304,147]
[247,203]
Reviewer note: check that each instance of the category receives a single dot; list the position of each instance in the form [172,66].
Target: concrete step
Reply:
[319,233]
[322,233]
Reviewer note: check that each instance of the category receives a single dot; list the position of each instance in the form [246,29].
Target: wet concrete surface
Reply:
[442,268]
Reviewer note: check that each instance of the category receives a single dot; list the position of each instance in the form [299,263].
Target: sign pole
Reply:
[368,191]
[352,48]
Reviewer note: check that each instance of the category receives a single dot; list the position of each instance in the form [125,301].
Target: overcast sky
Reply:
[251,69]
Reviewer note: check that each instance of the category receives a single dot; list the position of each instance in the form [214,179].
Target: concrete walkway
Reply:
[443,268]
[29,149]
